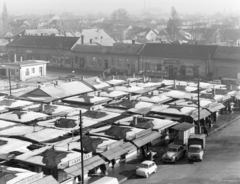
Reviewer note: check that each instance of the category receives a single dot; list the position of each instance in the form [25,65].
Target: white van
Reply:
[106,180]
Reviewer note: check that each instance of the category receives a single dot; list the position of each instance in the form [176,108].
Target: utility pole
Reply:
[81,142]
[9,80]
[199,125]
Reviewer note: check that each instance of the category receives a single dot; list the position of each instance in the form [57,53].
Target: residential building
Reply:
[24,70]
[177,60]
[55,49]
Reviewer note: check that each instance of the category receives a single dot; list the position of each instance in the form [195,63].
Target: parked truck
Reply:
[196,146]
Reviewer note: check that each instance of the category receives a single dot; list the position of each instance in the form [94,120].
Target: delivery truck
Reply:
[196,146]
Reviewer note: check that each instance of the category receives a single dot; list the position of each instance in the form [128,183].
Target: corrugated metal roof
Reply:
[114,152]
[146,139]
[128,146]
[183,126]
[89,164]
[203,114]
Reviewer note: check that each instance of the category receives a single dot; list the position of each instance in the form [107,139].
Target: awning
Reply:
[214,107]
[146,139]
[183,127]
[114,152]
[237,96]
[89,164]
[226,98]
[141,111]
[203,114]
[48,179]
[128,146]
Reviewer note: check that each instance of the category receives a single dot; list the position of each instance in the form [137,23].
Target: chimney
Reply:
[91,40]
[42,107]
[129,96]
[213,91]
[82,39]
[21,58]
[134,75]
[128,83]
[135,120]
[144,79]
[174,84]
[81,78]
[15,57]
[56,83]
[112,77]
[133,41]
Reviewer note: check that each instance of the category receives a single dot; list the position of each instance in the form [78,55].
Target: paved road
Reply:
[221,163]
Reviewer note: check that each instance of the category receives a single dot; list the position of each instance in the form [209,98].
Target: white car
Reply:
[146,168]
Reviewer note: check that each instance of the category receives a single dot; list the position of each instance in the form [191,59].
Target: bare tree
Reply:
[120,15]
[173,23]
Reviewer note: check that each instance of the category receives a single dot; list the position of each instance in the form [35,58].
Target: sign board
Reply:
[31,179]
[142,133]
[78,159]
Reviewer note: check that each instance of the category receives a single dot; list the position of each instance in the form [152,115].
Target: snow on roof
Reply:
[129,89]
[13,145]
[45,134]
[182,102]
[87,99]
[22,116]
[36,156]
[16,173]
[116,82]
[154,99]
[19,130]
[108,115]
[6,124]
[73,143]
[179,94]
[9,103]
[96,83]
[130,132]
[113,94]
[179,111]
[149,84]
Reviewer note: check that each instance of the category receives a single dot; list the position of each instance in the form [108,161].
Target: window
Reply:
[27,72]
[33,70]
[113,61]
[119,61]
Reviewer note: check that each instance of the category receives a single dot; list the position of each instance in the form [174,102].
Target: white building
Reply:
[24,70]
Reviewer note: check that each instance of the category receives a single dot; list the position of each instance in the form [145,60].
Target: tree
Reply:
[173,23]
[120,15]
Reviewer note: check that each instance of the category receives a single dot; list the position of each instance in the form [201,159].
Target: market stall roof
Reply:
[6,124]
[129,104]
[179,94]
[203,114]
[214,107]
[113,94]
[48,179]
[191,103]
[90,163]
[127,89]
[8,145]
[45,157]
[149,84]
[183,126]
[12,175]
[96,83]
[6,104]
[128,146]
[22,116]
[114,152]
[174,110]
[87,99]
[115,82]
[154,98]
[19,130]
[146,139]
[144,90]
[45,134]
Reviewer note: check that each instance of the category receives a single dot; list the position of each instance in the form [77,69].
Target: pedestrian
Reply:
[113,163]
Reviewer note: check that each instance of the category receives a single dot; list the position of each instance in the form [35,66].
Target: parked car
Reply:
[174,153]
[146,168]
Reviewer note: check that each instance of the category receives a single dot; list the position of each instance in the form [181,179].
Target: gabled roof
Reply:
[90,48]
[59,91]
[204,52]
[128,49]
[225,52]
[44,42]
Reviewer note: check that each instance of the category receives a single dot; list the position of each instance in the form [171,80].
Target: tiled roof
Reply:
[179,51]
[225,52]
[128,49]
[90,48]
[45,42]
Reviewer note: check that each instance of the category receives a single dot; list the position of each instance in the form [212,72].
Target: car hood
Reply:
[142,169]
[170,154]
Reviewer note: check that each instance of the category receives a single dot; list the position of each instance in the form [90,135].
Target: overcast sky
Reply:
[95,6]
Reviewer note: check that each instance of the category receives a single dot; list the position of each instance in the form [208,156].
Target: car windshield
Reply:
[194,150]
[144,166]
[172,149]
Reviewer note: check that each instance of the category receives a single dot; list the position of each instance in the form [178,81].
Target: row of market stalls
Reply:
[121,119]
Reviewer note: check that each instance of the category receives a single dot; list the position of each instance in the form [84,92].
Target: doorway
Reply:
[41,71]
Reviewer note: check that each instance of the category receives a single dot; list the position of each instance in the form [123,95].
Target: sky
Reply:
[107,6]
